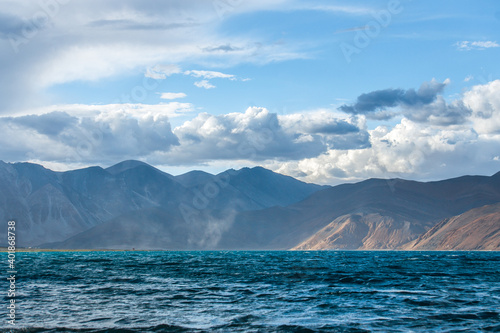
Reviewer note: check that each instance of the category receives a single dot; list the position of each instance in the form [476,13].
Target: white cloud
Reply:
[408,150]
[476,45]
[91,40]
[419,150]
[209,74]
[171,95]
[484,101]
[255,135]
[161,72]
[204,84]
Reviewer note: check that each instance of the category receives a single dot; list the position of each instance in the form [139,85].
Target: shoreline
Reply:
[21,250]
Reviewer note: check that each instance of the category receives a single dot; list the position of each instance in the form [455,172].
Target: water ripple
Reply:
[258,292]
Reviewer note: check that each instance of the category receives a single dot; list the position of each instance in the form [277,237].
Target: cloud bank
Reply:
[434,138]
[420,147]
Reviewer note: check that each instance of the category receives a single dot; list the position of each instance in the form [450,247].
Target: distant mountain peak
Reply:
[125,165]
[194,178]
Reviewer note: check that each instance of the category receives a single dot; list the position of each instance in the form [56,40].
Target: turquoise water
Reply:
[337,291]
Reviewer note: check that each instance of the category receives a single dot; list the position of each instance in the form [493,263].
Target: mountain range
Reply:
[134,205]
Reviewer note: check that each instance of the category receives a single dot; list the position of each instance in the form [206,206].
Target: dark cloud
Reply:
[50,124]
[337,134]
[58,136]
[334,127]
[374,101]
[424,105]
[440,113]
[358,140]
[382,99]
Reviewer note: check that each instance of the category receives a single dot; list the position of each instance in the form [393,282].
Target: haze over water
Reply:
[332,291]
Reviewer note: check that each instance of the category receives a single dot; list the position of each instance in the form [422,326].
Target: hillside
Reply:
[134,205]
[51,207]
[373,214]
[476,229]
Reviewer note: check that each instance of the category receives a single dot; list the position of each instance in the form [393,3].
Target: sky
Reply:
[325,91]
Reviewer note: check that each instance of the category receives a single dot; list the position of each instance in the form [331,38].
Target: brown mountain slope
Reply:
[362,231]
[373,214]
[476,229]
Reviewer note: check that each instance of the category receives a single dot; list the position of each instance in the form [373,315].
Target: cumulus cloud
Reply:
[484,102]
[259,135]
[414,148]
[334,131]
[110,133]
[256,135]
[50,124]
[409,149]
[439,112]
[91,137]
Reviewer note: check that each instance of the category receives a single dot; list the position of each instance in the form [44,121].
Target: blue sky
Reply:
[326,91]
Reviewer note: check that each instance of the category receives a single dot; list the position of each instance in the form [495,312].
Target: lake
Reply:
[330,291]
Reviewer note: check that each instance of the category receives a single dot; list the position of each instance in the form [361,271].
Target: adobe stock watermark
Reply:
[11,273]
[48,9]
[372,29]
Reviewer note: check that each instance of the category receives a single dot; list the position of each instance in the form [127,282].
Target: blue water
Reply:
[337,291]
